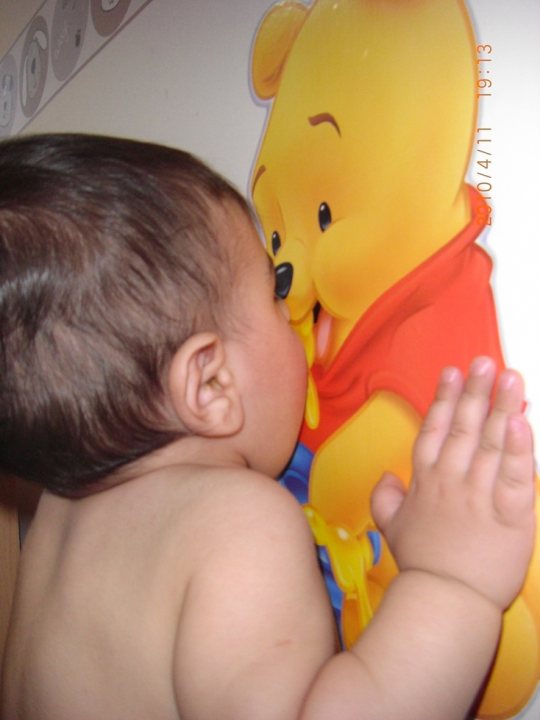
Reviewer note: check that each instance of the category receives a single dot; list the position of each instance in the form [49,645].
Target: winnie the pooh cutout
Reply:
[359,185]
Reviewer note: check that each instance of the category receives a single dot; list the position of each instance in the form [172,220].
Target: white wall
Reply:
[178,74]
[513,112]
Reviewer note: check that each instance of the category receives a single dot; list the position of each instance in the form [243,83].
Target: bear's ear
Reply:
[275,38]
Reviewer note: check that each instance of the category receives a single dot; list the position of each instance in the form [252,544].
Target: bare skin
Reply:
[191,590]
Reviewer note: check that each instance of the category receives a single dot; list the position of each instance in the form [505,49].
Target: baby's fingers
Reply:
[467,424]
[436,425]
[514,487]
[508,401]
[386,499]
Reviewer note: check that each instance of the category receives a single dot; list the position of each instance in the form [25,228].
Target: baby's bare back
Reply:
[98,599]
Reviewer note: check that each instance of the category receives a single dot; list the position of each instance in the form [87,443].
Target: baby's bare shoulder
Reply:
[252,504]
[237,522]
[201,508]
[252,529]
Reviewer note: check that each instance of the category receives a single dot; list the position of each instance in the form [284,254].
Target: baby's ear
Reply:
[202,389]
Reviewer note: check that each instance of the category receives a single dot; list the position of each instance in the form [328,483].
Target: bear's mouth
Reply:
[321,329]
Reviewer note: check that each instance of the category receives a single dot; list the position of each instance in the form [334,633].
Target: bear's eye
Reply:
[276,242]
[325,216]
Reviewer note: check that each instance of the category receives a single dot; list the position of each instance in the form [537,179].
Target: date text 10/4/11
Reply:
[483,138]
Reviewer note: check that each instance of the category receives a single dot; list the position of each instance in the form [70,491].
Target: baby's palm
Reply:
[469,511]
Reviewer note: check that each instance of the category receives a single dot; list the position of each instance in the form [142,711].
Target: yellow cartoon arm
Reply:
[378,438]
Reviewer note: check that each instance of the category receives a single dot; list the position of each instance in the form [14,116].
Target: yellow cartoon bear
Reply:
[359,187]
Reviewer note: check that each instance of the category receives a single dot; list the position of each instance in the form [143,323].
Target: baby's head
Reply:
[110,257]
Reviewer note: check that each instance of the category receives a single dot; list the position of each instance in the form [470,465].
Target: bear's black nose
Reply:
[284,277]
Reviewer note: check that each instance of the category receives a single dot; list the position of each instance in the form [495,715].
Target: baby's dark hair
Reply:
[110,257]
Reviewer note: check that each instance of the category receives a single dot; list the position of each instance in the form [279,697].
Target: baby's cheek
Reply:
[301,368]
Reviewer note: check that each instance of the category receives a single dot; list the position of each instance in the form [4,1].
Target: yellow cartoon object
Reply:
[359,186]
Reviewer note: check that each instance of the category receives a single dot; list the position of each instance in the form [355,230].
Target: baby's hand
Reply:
[469,511]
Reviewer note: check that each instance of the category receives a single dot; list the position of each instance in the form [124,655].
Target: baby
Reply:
[150,382]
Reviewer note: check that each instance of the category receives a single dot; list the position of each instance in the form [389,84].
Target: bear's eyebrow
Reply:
[322,118]
[258,174]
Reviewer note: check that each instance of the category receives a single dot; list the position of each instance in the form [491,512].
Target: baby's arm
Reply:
[462,537]
[256,639]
